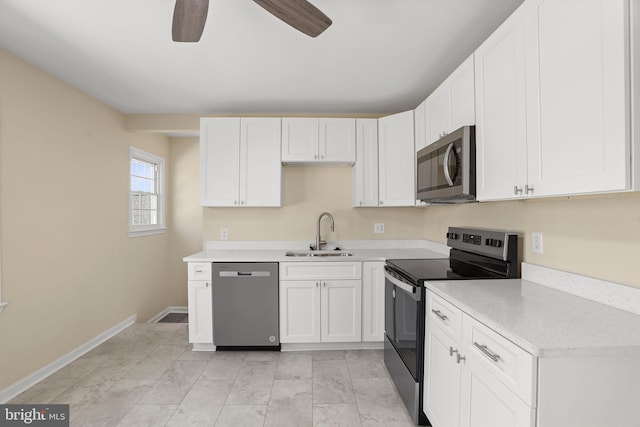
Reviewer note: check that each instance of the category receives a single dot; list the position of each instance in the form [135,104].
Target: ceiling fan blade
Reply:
[300,14]
[189,17]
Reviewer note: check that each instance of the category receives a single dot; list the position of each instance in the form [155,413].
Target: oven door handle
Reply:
[404,286]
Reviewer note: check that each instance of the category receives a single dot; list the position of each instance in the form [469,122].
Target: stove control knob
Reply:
[488,242]
[497,243]
[452,236]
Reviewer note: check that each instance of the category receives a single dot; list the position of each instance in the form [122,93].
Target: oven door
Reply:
[403,312]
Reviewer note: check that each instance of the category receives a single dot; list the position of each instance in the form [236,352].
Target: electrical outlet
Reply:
[536,242]
[378,228]
[224,234]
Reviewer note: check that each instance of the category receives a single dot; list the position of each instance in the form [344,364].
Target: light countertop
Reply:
[278,255]
[544,321]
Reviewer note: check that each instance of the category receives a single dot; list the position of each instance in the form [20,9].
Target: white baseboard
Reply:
[374,345]
[15,389]
[170,309]
[203,347]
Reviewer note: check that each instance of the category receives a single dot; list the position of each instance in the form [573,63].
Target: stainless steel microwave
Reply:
[446,169]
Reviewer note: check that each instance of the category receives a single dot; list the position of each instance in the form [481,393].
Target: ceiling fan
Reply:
[189,17]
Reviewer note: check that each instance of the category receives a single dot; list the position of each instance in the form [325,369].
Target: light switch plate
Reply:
[378,228]
[224,234]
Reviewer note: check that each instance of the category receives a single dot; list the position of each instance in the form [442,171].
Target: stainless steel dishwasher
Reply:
[245,306]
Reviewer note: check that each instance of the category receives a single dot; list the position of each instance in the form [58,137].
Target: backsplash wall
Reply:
[594,236]
[307,192]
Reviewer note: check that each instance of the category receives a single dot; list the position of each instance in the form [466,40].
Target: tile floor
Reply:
[148,376]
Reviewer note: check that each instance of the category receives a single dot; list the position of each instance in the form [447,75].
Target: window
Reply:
[146,193]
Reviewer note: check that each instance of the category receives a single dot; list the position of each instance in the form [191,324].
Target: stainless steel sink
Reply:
[317,253]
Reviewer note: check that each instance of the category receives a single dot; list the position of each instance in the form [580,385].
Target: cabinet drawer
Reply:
[199,271]
[449,318]
[320,270]
[510,364]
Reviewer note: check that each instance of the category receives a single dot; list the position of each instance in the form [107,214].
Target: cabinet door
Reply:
[365,170]
[442,379]
[500,112]
[462,92]
[578,96]
[337,140]
[220,161]
[373,301]
[420,125]
[341,315]
[199,299]
[299,139]
[438,113]
[397,160]
[260,165]
[486,402]
[300,311]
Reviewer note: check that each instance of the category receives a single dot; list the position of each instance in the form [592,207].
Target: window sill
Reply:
[141,233]
[2,306]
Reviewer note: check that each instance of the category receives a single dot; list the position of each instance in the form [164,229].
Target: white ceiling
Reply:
[378,57]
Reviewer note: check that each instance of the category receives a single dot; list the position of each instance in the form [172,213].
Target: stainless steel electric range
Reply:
[475,254]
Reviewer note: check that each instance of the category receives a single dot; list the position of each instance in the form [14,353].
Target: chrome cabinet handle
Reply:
[381,202]
[528,189]
[207,284]
[451,351]
[517,190]
[439,314]
[483,348]
[460,358]
[445,165]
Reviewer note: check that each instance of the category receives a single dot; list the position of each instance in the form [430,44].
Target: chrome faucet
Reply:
[319,241]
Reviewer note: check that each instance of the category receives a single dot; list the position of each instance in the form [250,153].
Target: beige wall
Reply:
[307,192]
[591,235]
[185,225]
[69,270]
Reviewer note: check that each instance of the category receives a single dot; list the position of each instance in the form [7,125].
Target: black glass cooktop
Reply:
[461,266]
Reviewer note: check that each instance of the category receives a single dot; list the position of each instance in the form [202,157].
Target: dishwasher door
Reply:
[245,305]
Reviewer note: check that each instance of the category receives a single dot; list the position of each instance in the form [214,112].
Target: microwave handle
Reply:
[445,165]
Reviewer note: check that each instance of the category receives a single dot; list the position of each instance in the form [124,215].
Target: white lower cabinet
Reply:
[464,385]
[200,312]
[320,302]
[373,301]
[200,301]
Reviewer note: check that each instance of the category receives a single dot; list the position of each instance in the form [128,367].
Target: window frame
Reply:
[147,230]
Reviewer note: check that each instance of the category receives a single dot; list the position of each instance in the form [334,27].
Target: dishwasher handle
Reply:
[245,274]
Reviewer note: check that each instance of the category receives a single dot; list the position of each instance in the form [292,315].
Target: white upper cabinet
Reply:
[365,170]
[553,101]
[500,111]
[312,140]
[240,162]
[578,104]
[299,139]
[420,125]
[452,104]
[396,160]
